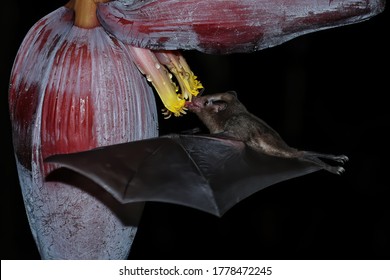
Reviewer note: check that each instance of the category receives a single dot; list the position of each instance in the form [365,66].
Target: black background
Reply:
[326,91]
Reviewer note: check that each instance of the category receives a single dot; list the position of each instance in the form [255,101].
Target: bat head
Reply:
[215,109]
[212,103]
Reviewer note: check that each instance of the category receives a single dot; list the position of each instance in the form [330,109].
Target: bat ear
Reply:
[219,107]
[232,92]
[201,91]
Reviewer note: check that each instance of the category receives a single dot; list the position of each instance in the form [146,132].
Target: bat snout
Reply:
[196,105]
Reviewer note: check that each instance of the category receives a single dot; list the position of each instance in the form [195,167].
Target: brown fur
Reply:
[224,113]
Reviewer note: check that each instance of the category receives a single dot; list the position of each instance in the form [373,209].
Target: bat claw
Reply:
[340,170]
[342,159]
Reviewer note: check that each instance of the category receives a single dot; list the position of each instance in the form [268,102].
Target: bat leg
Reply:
[314,157]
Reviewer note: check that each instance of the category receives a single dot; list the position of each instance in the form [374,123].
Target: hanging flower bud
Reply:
[72,89]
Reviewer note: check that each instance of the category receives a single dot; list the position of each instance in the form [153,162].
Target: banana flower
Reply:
[82,79]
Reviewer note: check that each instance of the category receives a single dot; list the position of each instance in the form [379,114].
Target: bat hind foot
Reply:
[315,158]
[342,159]
[335,169]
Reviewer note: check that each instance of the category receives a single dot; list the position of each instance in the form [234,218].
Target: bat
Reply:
[209,172]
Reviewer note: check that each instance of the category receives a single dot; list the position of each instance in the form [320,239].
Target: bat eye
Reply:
[206,103]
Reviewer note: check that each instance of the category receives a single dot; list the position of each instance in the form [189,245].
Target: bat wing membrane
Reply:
[209,173]
[234,172]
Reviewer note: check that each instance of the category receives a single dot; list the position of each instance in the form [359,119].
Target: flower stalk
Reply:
[85,12]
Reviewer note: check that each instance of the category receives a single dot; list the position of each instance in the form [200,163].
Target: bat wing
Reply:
[209,173]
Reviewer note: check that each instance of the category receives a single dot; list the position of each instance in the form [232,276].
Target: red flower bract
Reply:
[225,26]
[74,89]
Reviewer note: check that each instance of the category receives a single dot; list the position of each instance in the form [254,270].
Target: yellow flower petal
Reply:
[158,68]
